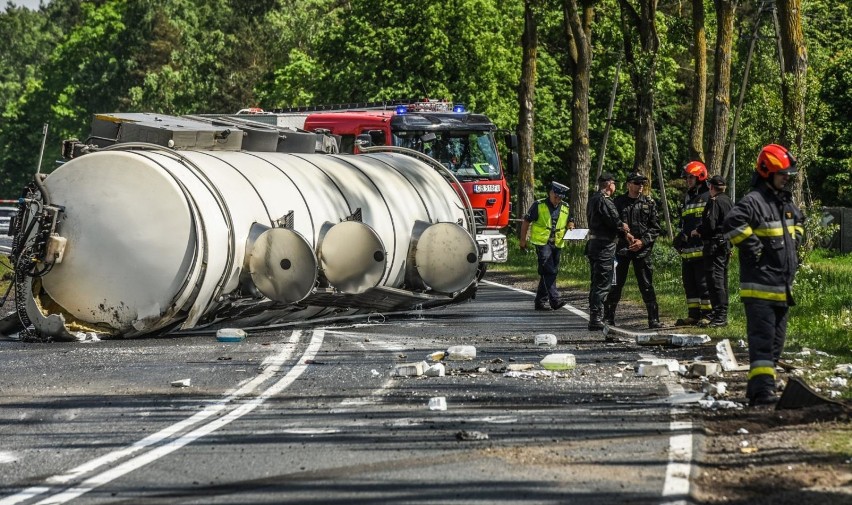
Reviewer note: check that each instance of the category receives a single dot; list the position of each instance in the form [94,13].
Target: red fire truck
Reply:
[462,141]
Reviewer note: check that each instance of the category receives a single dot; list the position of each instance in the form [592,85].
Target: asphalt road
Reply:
[313,415]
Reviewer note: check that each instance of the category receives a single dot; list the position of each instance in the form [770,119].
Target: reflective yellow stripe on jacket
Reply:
[763,292]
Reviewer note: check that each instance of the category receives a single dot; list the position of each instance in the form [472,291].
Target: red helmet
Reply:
[697,169]
[775,159]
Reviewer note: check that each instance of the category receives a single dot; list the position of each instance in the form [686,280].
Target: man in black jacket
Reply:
[717,251]
[604,228]
[766,228]
[640,213]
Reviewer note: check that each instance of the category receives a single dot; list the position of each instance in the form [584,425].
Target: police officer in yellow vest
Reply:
[546,223]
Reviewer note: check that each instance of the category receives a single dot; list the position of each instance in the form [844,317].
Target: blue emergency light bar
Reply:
[459,107]
[401,109]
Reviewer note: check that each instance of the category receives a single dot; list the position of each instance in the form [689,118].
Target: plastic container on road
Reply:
[559,362]
[545,340]
[438,403]
[230,335]
[461,353]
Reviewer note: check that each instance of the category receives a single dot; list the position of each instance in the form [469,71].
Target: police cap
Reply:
[637,178]
[718,181]
[559,189]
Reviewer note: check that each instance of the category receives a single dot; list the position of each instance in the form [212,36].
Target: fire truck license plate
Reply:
[486,188]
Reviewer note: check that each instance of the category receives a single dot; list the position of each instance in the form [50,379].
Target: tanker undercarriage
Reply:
[158,224]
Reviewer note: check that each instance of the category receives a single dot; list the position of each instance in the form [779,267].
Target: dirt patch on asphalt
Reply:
[750,455]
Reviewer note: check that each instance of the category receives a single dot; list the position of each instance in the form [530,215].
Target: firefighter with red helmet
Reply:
[766,228]
[691,247]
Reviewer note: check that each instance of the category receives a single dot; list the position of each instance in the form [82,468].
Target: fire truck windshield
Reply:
[468,154]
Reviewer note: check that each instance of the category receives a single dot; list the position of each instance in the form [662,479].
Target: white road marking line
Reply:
[572,309]
[273,365]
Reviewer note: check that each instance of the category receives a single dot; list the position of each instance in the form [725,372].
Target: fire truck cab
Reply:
[462,141]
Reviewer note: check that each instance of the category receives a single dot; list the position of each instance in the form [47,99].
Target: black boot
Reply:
[720,318]
[609,314]
[595,320]
[653,316]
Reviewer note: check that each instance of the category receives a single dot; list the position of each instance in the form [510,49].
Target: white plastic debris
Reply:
[545,340]
[519,367]
[714,404]
[726,357]
[687,340]
[618,375]
[742,431]
[461,353]
[671,364]
[843,369]
[87,336]
[744,443]
[648,370]
[703,369]
[438,403]
[838,382]
[183,383]
[436,370]
[560,361]
[834,394]
[375,372]
[409,369]
[530,374]
[230,335]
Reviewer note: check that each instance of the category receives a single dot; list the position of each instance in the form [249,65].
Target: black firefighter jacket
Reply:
[692,248]
[640,214]
[767,228]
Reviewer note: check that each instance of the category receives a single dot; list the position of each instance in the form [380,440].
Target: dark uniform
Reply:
[716,252]
[766,228]
[548,223]
[605,225]
[691,250]
[640,214]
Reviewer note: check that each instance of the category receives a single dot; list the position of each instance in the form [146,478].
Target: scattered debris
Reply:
[230,335]
[672,339]
[562,361]
[375,372]
[748,450]
[533,374]
[461,353]
[87,336]
[837,382]
[438,403]
[436,356]
[183,383]
[618,375]
[520,367]
[727,358]
[703,369]
[409,369]
[714,404]
[843,369]
[717,389]
[742,431]
[436,370]
[545,340]
[471,435]
[648,370]
[798,395]
[671,364]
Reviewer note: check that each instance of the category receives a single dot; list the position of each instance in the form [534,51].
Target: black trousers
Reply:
[601,254]
[766,327]
[695,286]
[643,269]
[548,268]
[715,260]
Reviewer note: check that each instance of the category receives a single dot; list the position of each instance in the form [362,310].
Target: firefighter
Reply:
[690,247]
[605,226]
[640,213]
[717,251]
[546,222]
[766,228]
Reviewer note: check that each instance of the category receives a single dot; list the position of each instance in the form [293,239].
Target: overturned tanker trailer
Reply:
[160,223]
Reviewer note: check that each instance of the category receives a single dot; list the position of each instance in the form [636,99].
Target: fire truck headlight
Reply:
[499,251]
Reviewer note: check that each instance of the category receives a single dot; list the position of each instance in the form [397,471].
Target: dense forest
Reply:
[515,60]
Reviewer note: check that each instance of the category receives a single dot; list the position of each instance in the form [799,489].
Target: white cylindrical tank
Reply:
[155,237]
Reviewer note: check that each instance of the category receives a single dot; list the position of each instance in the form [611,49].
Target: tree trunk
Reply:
[526,96]
[579,32]
[642,65]
[699,82]
[722,84]
[793,83]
